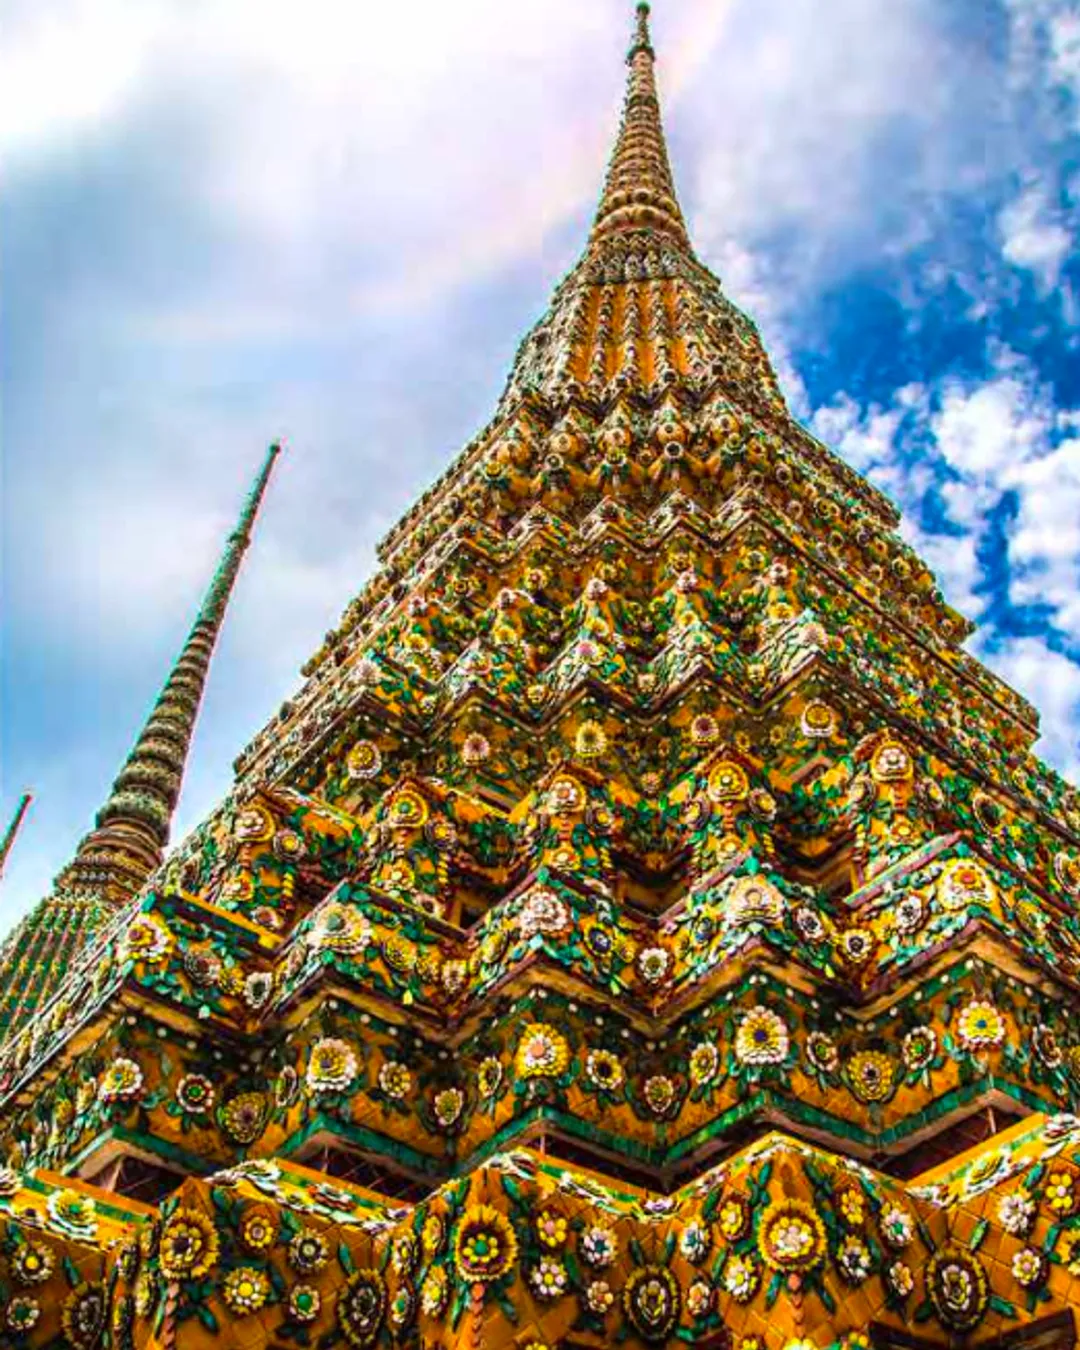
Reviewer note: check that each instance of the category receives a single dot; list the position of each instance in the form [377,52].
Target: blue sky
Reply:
[332,223]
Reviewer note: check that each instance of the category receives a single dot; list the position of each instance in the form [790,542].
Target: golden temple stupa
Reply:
[646,926]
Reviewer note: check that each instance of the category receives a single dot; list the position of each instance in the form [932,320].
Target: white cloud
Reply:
[747,281]
[1044,542]
[982,430]
[1044,46]
[1038,226]
[67,68]
[1065,52]
[1034,237]
[1051,682]
[858,142]
[831,145]
[977,442]
[955,562]
[1006,436]
[425,143]
[866,442]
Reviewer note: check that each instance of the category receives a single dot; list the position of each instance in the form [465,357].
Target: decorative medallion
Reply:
[728,782]
[565,796]
[407,810]
[361,1308]
[963,882]
[652,1302]
[254,825]
[957,1285]
[363,761]
[485,1247]
[83,1316]
[790,1236]
[891,763]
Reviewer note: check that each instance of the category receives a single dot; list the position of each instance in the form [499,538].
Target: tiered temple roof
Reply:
[646,925]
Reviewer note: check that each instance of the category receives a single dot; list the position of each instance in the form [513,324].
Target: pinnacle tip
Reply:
[641,41]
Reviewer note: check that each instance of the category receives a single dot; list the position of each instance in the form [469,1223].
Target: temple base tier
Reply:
[781,1244]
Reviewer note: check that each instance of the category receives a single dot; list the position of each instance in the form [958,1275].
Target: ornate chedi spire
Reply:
[630,933]
[131,830]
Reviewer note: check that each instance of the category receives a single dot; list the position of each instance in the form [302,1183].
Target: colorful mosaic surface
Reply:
[646,925]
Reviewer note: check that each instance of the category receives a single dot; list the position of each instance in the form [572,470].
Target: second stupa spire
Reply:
[132,828]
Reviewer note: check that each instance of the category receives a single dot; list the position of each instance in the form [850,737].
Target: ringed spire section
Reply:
[639,190]
[131,831]
[132,828]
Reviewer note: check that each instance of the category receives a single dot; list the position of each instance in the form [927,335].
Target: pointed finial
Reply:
[639,194]
[13,829]
[641,41]
[132,828]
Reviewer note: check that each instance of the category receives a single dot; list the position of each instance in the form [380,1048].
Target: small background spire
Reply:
[13,829]
[132,828]
[128,840]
